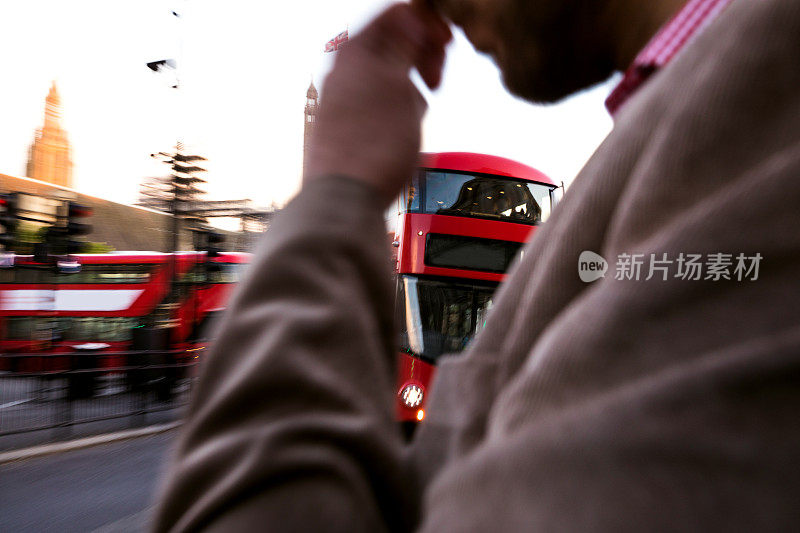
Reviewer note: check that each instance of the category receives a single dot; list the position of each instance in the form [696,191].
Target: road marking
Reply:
[18,402]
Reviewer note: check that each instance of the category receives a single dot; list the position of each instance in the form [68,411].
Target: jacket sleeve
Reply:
[291,425]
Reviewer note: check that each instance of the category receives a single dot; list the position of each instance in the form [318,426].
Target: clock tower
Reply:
[312,107]
[50,155]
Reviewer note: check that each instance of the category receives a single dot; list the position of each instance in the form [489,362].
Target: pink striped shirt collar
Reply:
[670,39]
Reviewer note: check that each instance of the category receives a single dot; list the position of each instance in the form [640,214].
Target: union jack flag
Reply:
[337,42]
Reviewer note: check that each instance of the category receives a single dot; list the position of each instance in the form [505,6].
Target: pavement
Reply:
[22,441]
[27,404]
[50,448]
[102,488]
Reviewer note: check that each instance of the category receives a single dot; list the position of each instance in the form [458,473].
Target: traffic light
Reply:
[75,228]
[213,240]
[41,250]
[208,241]
[9,204]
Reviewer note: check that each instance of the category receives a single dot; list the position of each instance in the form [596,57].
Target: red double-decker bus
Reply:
[458,226]
[110,298]
[460,223]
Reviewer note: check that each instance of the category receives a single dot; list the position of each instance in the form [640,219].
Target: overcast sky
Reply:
[244,72]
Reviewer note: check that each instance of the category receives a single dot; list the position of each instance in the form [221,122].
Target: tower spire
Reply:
[50,157]
[52,107]
[311,110]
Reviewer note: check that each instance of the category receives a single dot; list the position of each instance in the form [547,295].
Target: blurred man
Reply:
[662,400]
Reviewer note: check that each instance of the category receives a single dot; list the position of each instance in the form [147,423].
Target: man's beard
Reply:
[560,52]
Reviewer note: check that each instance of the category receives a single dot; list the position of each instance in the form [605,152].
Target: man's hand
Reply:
[371,112]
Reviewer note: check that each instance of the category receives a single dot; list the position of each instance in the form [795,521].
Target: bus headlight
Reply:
[412,396]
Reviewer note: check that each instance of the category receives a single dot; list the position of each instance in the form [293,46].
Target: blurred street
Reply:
[108,488]
[37,411]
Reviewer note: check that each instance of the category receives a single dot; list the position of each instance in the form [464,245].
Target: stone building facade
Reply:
[50,155]
[311,110]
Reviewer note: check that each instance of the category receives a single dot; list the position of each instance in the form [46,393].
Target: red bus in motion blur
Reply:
[122,300]
[460,223]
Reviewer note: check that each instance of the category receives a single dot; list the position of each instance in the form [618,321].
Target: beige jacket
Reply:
[611,406]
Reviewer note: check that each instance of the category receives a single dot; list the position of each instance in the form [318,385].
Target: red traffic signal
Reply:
[8,219]
[78,210]
[8,202]
[75,227]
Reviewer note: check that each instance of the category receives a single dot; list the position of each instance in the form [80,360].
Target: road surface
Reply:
[104,489]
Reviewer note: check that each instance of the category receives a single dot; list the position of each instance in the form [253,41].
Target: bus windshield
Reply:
[441,317]
[482,196]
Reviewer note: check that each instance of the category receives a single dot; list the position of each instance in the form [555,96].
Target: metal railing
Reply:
[52,394]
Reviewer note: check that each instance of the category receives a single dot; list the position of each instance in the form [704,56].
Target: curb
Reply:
[78,444]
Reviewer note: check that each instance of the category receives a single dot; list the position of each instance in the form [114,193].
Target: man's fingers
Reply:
[431,58]
[437,25]
[430,67]
[369,125]
[421,104]
[408,36]
[397,32]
